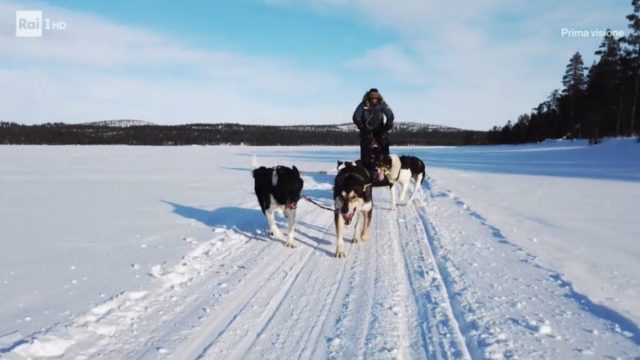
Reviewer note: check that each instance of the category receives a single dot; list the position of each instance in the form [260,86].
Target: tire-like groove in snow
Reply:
[245,304]
[389,334]
[471,347]
[349,322]
[298,305]
[439,327]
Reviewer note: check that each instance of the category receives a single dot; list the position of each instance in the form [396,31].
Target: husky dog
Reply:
[401,169]
[352,197]
[278,188]
[342,164]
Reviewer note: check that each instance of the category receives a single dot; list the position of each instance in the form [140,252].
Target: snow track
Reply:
[435,281]
[440,329]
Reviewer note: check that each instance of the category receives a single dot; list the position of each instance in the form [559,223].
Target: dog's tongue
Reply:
[347,218]
[290,205]
[380,176]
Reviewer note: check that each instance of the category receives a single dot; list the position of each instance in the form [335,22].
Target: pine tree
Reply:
[505,133]
[574,80]
[609,49]
[552,100]
[611,64]
[604,92]
[633,53]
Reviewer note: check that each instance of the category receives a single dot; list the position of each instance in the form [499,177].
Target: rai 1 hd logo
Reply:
[31,23]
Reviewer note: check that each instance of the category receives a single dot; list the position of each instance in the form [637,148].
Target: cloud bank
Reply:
[469,64]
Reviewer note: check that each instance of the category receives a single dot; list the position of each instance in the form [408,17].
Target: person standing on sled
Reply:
[369,117]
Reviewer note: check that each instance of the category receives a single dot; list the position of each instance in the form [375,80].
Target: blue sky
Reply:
[470,64]
[247,26]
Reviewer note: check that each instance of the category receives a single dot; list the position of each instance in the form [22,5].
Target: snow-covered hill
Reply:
[119,123]
[347,127]
[398,125]
[161,252]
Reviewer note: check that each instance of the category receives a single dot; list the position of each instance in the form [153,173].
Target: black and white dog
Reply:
[401,169]
[278,188]
[352,197]
[342,164]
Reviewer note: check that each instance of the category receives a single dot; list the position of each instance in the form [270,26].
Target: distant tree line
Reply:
[595,102]
[217,134]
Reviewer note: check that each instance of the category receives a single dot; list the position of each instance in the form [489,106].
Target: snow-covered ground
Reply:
[160,252]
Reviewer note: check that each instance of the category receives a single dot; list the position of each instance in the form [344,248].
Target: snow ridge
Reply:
[119,123]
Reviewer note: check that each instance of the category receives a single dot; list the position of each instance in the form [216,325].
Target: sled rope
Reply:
[326,207]
[322,206]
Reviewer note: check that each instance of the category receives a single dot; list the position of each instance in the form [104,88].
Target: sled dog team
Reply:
[280,188]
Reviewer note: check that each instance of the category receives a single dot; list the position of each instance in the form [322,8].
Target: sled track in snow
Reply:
[258,299]
[440,328]
[233,328]
[387,299]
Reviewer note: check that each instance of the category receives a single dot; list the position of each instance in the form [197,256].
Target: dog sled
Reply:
[280,188]
[375,153]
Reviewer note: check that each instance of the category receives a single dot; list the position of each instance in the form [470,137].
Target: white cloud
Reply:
[96,69]
[453,64]
[391,62]
[469,63]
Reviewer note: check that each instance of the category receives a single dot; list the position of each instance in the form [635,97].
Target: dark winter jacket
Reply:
[370,119]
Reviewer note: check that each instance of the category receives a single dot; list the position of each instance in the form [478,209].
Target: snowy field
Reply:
[161,252]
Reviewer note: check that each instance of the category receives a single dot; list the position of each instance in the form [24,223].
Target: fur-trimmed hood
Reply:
[365,97]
